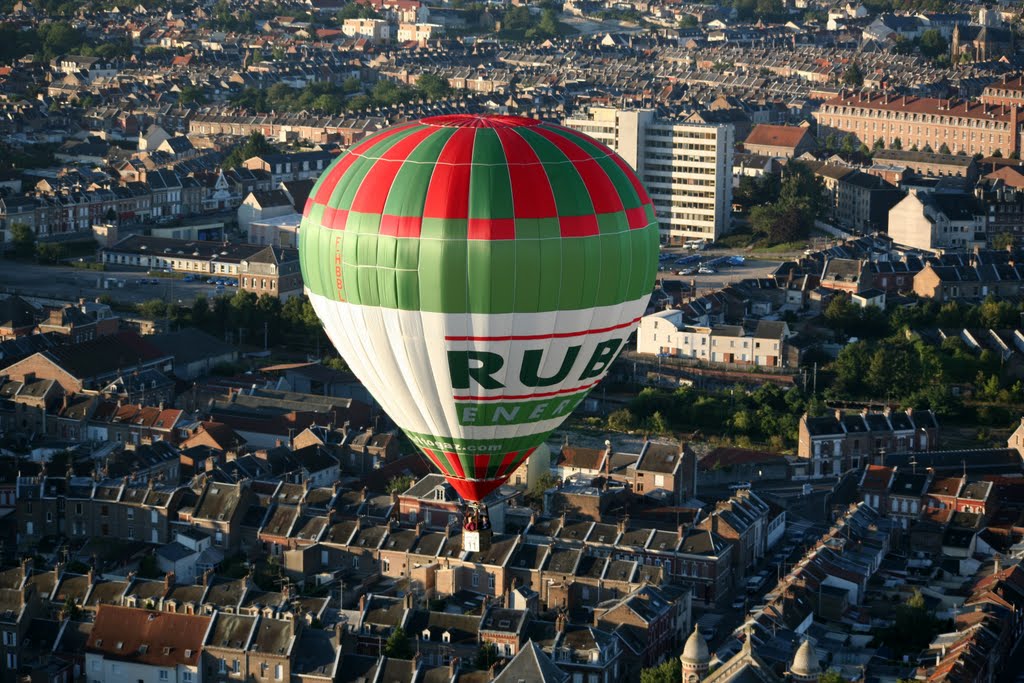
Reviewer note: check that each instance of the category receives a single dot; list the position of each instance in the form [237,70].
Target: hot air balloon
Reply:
[479,274]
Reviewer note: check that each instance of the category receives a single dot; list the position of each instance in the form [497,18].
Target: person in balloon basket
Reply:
[476,520]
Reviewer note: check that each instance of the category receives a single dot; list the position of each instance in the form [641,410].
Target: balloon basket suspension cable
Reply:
[476,527]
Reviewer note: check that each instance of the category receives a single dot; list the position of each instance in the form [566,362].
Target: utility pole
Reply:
[815,378]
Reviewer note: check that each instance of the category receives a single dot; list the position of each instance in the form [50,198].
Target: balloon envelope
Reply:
[479,274]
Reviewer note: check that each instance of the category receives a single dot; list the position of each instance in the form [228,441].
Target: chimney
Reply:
[408,600]
[90,576]
[560,622]
[998,567]
[453,668]
[168,580]
[26,567]
[680,532]
[339,634]
[362,602]
[839,414]
[419,529]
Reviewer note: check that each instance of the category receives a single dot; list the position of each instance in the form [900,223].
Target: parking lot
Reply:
[125,285]
[711,270]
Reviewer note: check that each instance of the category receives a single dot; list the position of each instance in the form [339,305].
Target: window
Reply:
[10,638]
[490,581]
[49,516]
[385,564]
[278,672]
[186,677]
[131,513]
[324,557]
[236,666]
[78,508]
[222,666]
[12,661]
[476,579]
[163,674]
[218,538]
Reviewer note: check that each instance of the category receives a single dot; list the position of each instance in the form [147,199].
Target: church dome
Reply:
[805,662]
[696,650]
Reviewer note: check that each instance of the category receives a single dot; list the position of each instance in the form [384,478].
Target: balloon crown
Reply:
[479,121]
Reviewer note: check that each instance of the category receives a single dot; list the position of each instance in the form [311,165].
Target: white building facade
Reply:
[686,167]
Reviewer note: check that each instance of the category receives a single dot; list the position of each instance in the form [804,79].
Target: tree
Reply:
[23,239]
[848,145]
[1003,240]
[687,21]
[622,420]
[51,252]
[944,149]
[879,144]
[255,145]
[535,496]
[897,143]
[433,86]
[152,309]
[932,43]
[486,656]
[400,484]
[831,676]
[853,76]
[669,671]
[398,645]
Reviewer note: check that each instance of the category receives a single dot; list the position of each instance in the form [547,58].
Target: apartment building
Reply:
[665,333]
[938,221]
[961,125]
[686,167]
[374,30]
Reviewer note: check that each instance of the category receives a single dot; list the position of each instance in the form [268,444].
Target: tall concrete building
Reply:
[686,167]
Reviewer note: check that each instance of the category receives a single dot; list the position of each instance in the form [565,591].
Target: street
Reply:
[70,284]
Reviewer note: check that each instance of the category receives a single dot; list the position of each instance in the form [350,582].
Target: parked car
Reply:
[707,270]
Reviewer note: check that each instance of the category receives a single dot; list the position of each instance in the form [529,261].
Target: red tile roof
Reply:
[148,637]
[776,136]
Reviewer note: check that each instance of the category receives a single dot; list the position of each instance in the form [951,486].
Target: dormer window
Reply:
[439,493]
[446,637]
[425,635]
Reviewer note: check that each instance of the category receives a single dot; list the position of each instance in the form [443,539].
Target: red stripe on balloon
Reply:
[437,461]
[603,194]
[448,192]
[630,173]
[330,181]
[400,226]
[519,397]
[491,229]
[373,190]
[480,465]
[578,226]
[512,459]
[456,464]
[531,192]
[636,217]
[552,335]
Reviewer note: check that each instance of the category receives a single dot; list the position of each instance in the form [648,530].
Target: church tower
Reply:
[805,667]
[695,658]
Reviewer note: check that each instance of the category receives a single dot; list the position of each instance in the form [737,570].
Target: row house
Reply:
[832,444]
[142,645]
[743,521]
[985,630]
[894,493]
[689,554]
[261,648]
[345,131]
[141,513]
[20,603]
[82,508]
[219,512]
[944,283]
[959,494]
[650,621]
[287,167]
